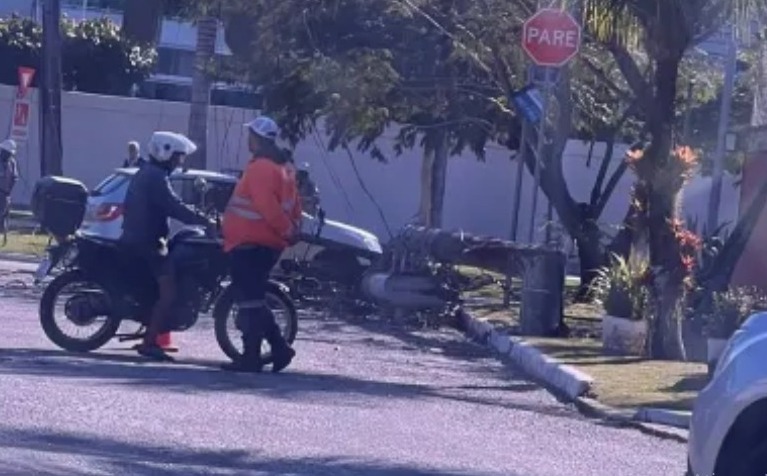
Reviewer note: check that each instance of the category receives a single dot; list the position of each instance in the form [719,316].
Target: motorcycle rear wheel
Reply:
[224,314]
[51,328]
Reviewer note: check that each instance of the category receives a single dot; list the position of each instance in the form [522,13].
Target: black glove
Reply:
[211,229]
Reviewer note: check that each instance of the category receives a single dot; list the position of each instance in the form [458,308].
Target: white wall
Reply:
[479,194]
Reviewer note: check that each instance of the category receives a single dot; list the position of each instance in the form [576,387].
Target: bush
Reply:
[95,58]
[621,288]
[20,45]
[728,310]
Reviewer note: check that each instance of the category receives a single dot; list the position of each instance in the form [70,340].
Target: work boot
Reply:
[153,352]
[251,358]
[282,353]
[244,366]
[282,356]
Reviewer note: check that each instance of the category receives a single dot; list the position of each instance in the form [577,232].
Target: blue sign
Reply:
[529,103]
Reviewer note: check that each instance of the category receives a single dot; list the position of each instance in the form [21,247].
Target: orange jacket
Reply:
[265,208]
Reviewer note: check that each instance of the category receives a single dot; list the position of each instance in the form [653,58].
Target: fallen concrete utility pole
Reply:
[416,274]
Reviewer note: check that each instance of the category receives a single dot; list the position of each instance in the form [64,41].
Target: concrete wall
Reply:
[479,194]
[750,270]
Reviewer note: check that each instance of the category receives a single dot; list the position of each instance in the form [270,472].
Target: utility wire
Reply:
[365,189]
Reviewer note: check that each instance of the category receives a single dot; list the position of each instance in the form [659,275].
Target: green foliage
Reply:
[728,310]
[621,288]
[427,65]
[364,66]
[704,115]
[95,58]
[20,45]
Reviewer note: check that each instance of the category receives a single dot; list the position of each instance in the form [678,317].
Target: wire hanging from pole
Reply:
[331,172]
[367,191]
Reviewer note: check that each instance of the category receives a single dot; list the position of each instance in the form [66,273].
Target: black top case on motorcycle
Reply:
[58,204]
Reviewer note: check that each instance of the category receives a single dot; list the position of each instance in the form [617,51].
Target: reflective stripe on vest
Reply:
[242,207]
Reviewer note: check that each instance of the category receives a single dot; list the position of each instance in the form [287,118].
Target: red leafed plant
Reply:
[689,245]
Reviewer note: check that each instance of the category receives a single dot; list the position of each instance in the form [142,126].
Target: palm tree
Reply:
[207,29]
[141,23]
[661,31]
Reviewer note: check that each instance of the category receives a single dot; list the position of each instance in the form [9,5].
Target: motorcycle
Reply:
[328,264]
[110,289]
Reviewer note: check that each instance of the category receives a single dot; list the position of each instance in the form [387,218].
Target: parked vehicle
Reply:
[728,429]
[109,289]
[331,255]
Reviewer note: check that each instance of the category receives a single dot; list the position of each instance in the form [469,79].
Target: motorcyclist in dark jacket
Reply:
[149,203]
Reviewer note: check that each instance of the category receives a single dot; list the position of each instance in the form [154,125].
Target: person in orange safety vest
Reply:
[261,219]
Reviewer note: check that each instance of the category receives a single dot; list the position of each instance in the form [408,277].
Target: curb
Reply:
[628,418]
[567,380]
[571,383]
[19,258]
[660,416]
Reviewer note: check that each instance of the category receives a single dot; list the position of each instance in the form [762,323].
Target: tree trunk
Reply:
[591,252]
[663,191]
[759,114]
[667,292]
[207,28]
[424,210]
[142,20]
[433,181]
[439,179]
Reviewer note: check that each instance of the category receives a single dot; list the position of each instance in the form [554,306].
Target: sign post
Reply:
[551,38]
[22,106]
[526,101]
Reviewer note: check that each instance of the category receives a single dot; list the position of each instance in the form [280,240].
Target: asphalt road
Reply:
[362,398]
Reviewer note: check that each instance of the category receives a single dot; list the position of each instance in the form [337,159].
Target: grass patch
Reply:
[582,320]
[25,243]
[629,382]
[622,382]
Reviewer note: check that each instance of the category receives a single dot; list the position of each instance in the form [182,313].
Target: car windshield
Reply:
[116,186]
[111,184]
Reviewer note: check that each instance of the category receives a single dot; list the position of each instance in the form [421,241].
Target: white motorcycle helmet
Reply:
[8,145]
[163,145]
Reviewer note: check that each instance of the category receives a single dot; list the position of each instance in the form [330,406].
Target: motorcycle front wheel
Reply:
[86,307]
[225,315]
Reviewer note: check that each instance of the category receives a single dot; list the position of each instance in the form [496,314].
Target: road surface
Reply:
[362,398]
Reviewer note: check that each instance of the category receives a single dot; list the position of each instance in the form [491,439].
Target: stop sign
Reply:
[551,37]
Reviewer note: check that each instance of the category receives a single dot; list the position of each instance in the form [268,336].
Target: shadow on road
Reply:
[446,342]
[117,457]
[406,336]
[204,376]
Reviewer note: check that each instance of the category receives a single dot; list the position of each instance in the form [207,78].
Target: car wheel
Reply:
[750,459]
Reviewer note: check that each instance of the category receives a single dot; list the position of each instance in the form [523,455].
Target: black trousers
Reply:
[251,267]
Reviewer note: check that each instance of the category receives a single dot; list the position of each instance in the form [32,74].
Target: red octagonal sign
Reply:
[551,37]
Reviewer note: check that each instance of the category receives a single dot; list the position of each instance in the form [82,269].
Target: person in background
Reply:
[260,221]
[9,175]
[308,191]
[134,155]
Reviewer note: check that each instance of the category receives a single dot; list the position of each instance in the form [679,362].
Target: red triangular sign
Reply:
[25,79]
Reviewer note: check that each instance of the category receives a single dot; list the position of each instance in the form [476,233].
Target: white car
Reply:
[103,215]
[728,429]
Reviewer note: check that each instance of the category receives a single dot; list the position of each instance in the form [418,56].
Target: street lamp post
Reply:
[731,66]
